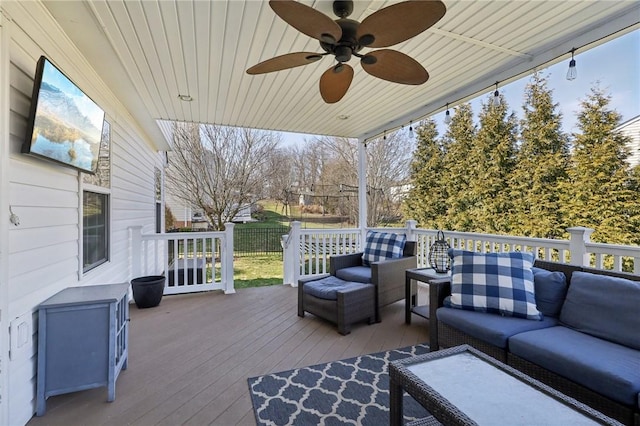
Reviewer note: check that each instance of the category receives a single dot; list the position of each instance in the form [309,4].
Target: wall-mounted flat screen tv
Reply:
[64,125]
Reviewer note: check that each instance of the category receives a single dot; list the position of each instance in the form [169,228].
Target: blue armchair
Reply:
[388,276]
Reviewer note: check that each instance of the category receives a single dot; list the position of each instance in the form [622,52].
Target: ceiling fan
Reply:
[344,38]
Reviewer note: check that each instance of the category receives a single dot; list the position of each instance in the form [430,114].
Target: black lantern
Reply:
[438,254]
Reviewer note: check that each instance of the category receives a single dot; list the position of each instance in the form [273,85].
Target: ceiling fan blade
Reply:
[307,20]
[335,82]
[282,62]
[399,22]
[394,66]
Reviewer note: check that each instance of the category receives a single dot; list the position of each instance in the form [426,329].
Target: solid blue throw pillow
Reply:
[500,283]
[550,291]
[382,245]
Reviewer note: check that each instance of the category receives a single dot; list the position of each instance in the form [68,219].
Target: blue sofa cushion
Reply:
[493,329]
[500,283]
[604,306]
[550,290]
[328,287]
[382,245]
[359,274]
[602,366]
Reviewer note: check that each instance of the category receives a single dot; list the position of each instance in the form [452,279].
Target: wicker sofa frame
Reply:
[445,336]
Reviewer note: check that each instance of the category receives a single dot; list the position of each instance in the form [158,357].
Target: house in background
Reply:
[119,54]
[631,129]
[187,216]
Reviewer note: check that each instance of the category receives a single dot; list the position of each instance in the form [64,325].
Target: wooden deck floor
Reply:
[190,357]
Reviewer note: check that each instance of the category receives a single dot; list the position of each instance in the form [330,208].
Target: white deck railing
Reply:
[201,261]
[307,251]
[190,261]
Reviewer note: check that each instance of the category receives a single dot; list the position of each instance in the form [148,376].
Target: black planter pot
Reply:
[147,291]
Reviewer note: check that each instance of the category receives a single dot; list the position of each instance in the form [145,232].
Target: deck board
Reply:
[190,357]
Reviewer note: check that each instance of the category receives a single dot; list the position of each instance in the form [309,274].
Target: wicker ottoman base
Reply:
[352,304]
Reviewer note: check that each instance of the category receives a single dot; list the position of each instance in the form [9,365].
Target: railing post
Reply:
[287,269]
[292,255]
[136,251]
[578,237]
[227,259]
[411,229]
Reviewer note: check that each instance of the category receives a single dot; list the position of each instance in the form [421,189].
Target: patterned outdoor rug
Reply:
[351,391]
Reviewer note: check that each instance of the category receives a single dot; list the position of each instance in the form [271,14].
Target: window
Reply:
[95,229]
[95,207]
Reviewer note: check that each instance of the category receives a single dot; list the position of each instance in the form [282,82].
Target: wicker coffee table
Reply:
[463,386]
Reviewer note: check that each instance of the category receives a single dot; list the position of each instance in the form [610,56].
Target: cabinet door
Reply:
[77,343]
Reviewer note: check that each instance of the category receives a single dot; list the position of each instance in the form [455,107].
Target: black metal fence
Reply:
[252,241]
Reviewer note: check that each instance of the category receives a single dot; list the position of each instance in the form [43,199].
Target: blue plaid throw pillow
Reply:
[500,283]
[382,245]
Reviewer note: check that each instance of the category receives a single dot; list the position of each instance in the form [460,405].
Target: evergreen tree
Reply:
[541,167]
[493,158]
[459,169]
[601,192]
[426,200]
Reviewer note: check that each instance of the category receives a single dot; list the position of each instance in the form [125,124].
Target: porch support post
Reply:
[227,259]
[411,229]
[579,236]
[362,189]
[136,251]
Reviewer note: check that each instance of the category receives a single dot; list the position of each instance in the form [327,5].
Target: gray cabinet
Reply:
[82,340]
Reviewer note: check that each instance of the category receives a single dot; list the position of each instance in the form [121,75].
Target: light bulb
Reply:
[412,135]
[496,98]
[572,72]
[447,117]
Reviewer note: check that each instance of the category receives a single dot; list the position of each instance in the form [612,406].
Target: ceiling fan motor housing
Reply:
[348,43]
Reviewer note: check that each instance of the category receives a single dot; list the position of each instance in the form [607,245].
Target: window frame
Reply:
[87,186]
[107,228]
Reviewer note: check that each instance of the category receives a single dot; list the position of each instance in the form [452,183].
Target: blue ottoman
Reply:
[341,302]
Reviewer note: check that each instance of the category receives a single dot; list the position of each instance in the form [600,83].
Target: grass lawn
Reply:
[257,270]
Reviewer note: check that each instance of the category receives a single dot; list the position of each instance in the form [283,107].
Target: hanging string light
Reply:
[411,134]
[496,97]
[572,72]
[447,116]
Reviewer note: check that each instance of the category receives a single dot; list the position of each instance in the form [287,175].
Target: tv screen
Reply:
[65,125]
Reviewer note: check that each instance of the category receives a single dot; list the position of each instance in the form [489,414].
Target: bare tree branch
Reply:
[219,170]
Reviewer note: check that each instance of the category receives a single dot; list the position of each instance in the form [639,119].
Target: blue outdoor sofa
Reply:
[586,342]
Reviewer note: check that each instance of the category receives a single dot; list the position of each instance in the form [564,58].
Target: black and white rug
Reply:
[351,391]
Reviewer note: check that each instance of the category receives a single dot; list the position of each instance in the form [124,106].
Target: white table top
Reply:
[491,396]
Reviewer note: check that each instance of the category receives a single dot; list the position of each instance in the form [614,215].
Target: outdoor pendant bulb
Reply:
[411,134]
[496,97]
[447,116]
[572,72]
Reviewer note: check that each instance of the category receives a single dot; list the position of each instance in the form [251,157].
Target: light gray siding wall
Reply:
[632,129]
[43,251]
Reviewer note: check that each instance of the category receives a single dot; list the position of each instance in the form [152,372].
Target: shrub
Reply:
[313,208]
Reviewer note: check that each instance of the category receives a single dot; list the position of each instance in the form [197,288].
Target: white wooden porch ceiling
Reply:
[150,51]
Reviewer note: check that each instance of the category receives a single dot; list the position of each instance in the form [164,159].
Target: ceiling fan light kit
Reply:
[344,38]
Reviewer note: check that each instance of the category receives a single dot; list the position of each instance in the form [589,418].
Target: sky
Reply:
[614,66]
[89,109]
